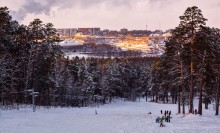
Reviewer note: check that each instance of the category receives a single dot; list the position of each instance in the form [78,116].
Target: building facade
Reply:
[89,31]
[67,32]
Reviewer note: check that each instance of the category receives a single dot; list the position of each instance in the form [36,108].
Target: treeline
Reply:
[190,66]
[80,81]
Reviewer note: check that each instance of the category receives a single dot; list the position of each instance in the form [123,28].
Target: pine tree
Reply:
[205,46]
[9,67]
[182,47]
[190,22]
[42,54]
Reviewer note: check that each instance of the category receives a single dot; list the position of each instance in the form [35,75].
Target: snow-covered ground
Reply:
[70,42]
[71,55]
[117,117]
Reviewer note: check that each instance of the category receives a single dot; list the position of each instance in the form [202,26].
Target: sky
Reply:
[111,14]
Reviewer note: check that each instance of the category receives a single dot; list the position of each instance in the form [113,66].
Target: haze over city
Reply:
[111,14]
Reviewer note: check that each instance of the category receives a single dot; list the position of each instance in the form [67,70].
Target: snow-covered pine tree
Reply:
[42,54]
[206,45]
[190,22]
[9,67]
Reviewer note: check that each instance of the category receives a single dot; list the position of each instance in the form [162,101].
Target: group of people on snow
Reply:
[165,118]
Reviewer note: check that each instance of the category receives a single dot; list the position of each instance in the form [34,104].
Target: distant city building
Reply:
[68,32]
[105,32]
[124,31]
[96,31]
[158,32]
[89,31]
[113,33]
[139,32]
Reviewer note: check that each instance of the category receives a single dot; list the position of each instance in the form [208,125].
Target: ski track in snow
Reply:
[117,117]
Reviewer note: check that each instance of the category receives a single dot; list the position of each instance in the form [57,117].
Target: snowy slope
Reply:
[117,117]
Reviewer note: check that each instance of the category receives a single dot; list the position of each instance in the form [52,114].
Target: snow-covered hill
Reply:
[117,117]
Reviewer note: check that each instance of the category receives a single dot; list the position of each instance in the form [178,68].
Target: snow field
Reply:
[117,117]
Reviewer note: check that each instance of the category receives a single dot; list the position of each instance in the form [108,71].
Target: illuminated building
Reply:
[89,31]
[67,32]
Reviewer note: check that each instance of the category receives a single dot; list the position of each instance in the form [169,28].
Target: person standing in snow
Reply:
[161,112]
[161,122]
[168,118]
[165,113]
[169,113]
[163,119]
[195,111]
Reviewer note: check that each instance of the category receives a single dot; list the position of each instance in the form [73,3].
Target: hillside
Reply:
[117,117]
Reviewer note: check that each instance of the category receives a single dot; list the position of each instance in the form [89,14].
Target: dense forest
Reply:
[32,61]
[190,66]
[27,55]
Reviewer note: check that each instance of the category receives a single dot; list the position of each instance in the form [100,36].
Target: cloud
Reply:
[34,7]
[44,6]
[161,3]
[112,14]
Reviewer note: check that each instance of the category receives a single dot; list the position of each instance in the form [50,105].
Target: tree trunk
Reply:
[103,100]
[173,101]
[206,105]
[183,101]
[200,99]
[183,106]
[167,98]
[132,95]
[153,98]
[180,83]
[82,102]
[217,106]
[217,97]
[179,111]
[176,96]
[110,98]
[164,97]
[191,96]
[191,84]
